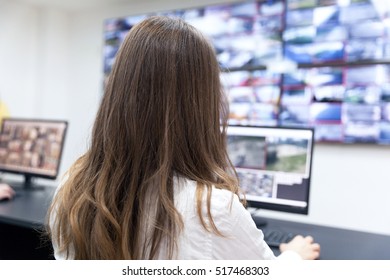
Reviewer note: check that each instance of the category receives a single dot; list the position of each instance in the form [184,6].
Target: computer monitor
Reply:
[273,165]
[32,148]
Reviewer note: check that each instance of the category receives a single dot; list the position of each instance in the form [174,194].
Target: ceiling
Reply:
[75,4]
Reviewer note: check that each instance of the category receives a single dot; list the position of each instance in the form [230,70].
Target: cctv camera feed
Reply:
[340,50]
[31,146]
[272,164]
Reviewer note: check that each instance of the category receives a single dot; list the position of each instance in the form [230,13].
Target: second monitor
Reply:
[273,165]
[32,148]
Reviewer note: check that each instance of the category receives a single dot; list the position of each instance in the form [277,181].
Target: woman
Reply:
[156,182]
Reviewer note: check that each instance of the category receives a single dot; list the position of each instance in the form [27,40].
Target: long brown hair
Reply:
[163,115]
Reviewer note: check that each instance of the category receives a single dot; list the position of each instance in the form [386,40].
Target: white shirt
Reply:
[241,239]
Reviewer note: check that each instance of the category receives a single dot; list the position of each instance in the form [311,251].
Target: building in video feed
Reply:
[384,134]
[326,15]
[369,49]
[267,94]
[329,93]
[236,79]
[297,78]
[271,8]
[315,53]
[368,29]
[385,96]
[296,96]
[247,151]
[386,46]
[213,26]
[325,112]
[301,4]
[268,23]
[363,94]
[255,183]
[299,53]
[299,35]
[331,33]
[302,17]
[249,9]
[327,2]
[192,13]
[241,95]
[239,113]
[268,51]
[235,59]
[360,113]
[294,115]
[263,77]
[240,25]
[365,132]
[287,155]
[367,75]
[264,114]
[386,112]
[324,76]
[328,132]
[352,14]
[328,51]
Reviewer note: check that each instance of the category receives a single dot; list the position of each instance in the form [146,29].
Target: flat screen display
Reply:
[32,147]
[273,165]
[341,48]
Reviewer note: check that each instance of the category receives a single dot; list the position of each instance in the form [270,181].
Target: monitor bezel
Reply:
[34,174]
[276,206]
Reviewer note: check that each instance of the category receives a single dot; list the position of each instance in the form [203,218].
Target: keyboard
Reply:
[275,237]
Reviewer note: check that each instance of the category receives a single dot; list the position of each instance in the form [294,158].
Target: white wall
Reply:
[18,59]
[350,184]
[34,62]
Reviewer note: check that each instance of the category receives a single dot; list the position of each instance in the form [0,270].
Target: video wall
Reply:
[341,48]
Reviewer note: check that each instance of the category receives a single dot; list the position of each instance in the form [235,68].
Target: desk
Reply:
[26,214]
[28,209]
[339,244]
[21,225]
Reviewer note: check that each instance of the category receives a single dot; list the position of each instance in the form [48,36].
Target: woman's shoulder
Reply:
[188,186]
[222,201]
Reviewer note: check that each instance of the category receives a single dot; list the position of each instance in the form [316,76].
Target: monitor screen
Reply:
[32,147]
[341,48]
[273,165]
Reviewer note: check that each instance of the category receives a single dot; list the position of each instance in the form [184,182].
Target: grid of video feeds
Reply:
[341,47]
[271,161]
[31,147]
[245,35]
[344,104]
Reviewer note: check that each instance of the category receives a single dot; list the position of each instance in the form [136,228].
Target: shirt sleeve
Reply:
[243,239]
[58,255]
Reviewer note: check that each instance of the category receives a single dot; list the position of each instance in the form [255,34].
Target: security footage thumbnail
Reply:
[273,153]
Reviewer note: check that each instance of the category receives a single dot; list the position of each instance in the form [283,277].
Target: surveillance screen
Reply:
[30,146]
[341,50]
[272,162]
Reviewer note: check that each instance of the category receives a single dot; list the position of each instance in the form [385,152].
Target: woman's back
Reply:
[163,116]
[240,239]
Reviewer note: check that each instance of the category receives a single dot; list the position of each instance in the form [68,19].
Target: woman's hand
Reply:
[304,246]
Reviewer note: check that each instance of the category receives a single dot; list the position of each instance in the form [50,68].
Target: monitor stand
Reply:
[26,185]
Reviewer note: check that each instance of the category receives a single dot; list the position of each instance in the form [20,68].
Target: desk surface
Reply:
[29,210]
[339,244]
